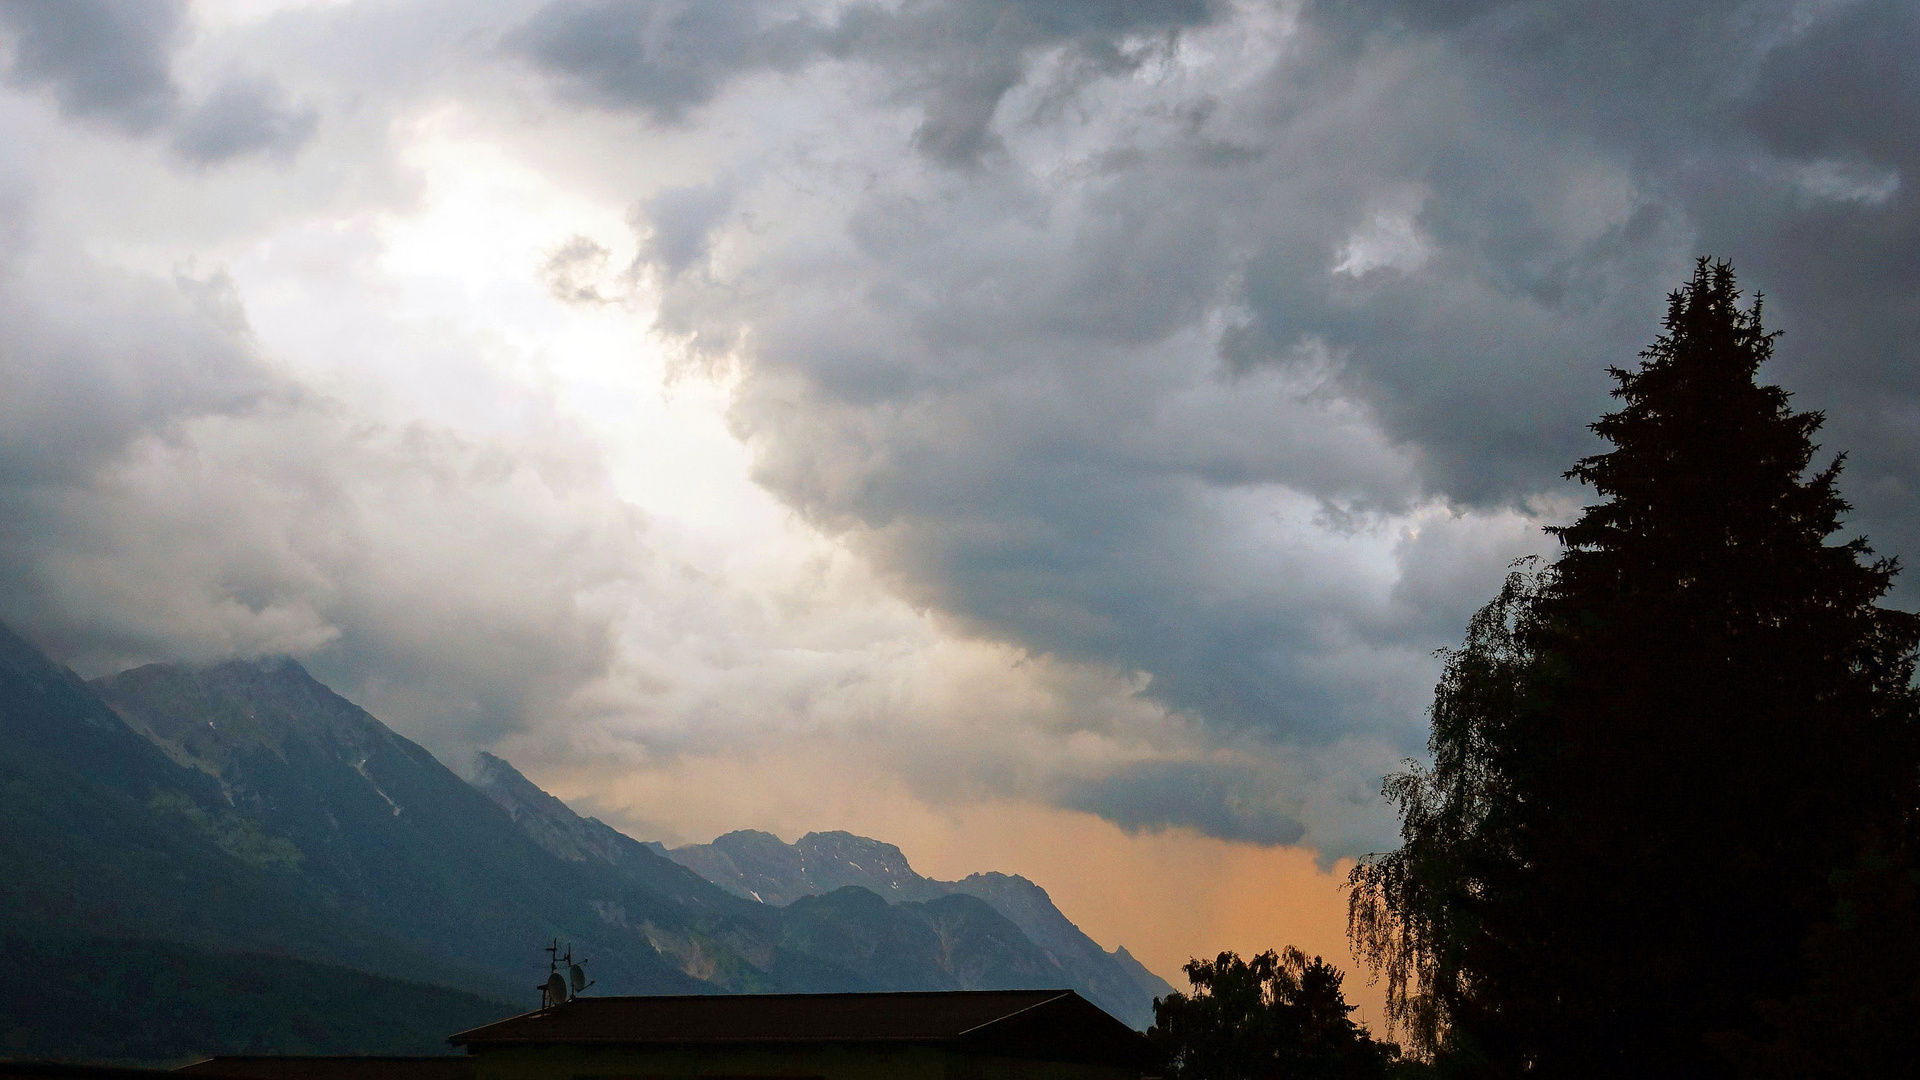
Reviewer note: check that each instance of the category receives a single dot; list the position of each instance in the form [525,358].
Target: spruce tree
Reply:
[1650,756]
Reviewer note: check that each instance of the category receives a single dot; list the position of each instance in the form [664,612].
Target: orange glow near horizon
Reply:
[1167,896]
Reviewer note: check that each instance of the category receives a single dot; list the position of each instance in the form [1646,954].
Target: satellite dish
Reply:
[556,990]
[579,977]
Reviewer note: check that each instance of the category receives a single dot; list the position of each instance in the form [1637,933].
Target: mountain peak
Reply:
[822,864]
[749,840]
[847,859]
[846,844]
[269,666]
[207,715]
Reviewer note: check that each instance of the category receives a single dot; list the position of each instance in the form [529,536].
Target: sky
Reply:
[1053,436]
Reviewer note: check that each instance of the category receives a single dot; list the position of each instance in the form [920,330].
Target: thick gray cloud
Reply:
[959,59]
[682,220]
[1780,135]
[1220,355]
[661,57]
[1383,267]
[1237,802]
[95,362]
[244,114]
[170,351]
[111,61]
[102,59]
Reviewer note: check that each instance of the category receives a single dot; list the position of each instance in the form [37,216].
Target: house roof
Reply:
[339,1067]
[62,1070]
[1048,1024]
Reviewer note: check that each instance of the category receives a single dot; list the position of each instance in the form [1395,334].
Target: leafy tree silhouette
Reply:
[1650,756]
[1277,1015]
[1859,1011]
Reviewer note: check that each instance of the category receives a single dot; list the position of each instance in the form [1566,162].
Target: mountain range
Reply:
[760,866]
[834,877]
[210,821]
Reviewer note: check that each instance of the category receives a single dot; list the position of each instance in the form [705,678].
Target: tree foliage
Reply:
[1858,1012]
[1650,756]
[1414,913]
[1277,1015]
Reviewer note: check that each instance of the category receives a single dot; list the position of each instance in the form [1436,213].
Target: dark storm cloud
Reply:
[1832,233]
[1784,136]
[663,57]
[243,115]
[1234,349]
[1231,802]
[102,59]
[1445,220]
[111,61]
[1861,62]
[960,59]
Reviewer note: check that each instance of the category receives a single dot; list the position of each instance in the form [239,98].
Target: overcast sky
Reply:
[1053,435]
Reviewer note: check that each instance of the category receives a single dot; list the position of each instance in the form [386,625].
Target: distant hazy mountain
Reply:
[760,866]
[763,867]
[921,936]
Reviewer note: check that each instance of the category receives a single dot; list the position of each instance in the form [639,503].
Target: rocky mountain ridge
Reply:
[812,879]
[762,867]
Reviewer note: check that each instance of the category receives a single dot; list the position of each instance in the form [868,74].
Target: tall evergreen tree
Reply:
[1650,756]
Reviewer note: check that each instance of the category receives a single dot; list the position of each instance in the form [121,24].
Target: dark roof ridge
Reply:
[1016,1012]
[330,1067]
[1055,990]
[316,1057]
[847,1016]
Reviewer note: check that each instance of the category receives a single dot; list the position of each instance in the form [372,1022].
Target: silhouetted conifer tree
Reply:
[1650,756]
[1859,1011]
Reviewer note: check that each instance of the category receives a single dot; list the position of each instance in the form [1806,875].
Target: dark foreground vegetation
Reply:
[151,1002]
[1277,1015]
[1668,829]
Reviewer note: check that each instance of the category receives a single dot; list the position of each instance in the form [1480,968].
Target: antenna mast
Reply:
[558,989]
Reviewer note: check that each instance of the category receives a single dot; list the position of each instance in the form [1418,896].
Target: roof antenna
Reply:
[560,989]
[553,992]
[577,974]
